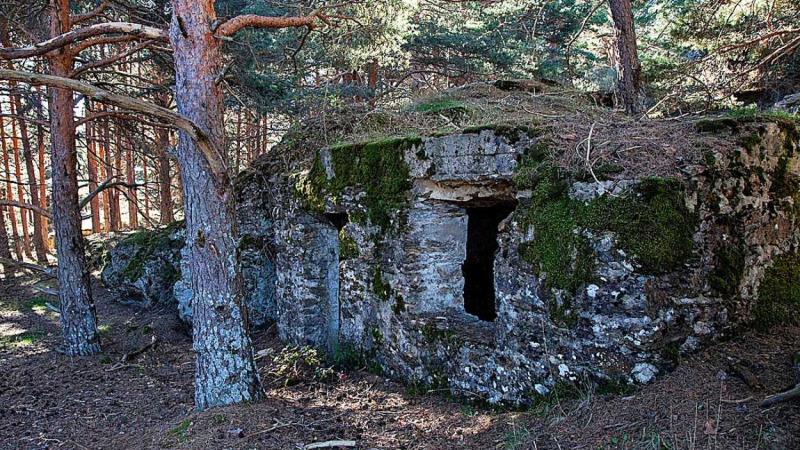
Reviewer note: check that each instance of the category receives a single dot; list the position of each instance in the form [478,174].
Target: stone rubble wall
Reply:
[395,293]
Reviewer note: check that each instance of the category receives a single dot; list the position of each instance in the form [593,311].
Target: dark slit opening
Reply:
[478,268]
[339,220]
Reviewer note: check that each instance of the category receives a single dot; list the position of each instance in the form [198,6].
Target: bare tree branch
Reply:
[80,34]
[213,155]
[23,205]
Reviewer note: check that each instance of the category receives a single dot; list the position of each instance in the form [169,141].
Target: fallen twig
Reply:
[782,397]
[329,444]
[736,402]
[29,266]
[46,290]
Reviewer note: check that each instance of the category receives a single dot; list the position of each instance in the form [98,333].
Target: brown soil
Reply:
[52,401]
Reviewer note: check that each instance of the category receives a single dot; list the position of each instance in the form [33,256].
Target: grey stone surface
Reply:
[399,300]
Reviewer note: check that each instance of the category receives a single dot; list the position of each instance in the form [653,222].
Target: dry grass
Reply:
[584,134]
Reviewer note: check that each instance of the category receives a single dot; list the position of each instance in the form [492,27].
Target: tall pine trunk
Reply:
[42,178]
[10,193]
[5,251]
[628,68]
[78,318]
[114,164]
[38,234]
[26,239]
[225,370]
[164,178]
[91,164]
[27,153]
[103,150]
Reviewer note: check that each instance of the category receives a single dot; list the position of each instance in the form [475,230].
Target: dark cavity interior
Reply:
[478,268]
[339,220]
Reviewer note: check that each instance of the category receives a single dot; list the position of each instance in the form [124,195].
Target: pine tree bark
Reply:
[628,68]
[26,239]
[104,171]
[27,153]
[146,181]
[5,251]
[42,178]
[133,208]
[78,317]
[10,193]
[91,164]
[115,163]
[164,178]
[16,105]
[225,370]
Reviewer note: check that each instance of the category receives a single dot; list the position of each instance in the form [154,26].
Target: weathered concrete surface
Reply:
[396,293]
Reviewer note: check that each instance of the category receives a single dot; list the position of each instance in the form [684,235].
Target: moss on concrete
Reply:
[728,270]
[651,223]
[562,314]
[433,334]
[717,125]
[750,142]
[348,248]
[380,286]
[444,106]
[146,243]
[779,294]
[376,167]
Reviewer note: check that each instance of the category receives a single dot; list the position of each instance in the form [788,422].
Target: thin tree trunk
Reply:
[238,156]
[225,370]
[250,141]
[164,178]
[26,239]
[91,163]
[115,163]
[38,234]
[145,180]
[5,251]
[628,68]
[42,179]
[133,209]
[78,317]
[104,170]
[10,193]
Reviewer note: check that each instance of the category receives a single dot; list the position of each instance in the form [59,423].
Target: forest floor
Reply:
[51,401]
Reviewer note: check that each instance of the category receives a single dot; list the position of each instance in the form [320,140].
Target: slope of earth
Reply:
[145,400]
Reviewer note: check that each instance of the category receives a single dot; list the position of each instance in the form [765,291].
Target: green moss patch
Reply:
[348,248]
[779,294]
[717,125]
[445,106]
[737,117]
[25,338]
[146,243]
[376,167]
[728,271]
[380,286]
[750,142]
[651,223]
